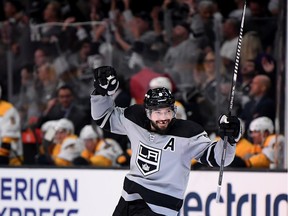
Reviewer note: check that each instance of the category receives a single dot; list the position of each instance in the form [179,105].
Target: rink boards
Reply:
[93,192]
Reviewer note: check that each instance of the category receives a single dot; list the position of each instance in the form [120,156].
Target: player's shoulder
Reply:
[185,128]
[136,113]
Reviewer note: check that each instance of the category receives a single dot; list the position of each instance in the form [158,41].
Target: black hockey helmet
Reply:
[158,98]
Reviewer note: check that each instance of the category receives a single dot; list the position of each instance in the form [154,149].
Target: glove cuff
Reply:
[96,92]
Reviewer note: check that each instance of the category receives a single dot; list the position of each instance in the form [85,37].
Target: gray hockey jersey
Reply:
[160,163]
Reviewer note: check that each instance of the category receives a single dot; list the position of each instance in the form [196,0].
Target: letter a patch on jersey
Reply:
[170,145]
[148,159]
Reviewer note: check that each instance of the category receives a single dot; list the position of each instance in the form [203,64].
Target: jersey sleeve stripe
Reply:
[208,157]
[104,122]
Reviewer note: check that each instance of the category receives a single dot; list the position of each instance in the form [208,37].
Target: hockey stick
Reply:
[231,101]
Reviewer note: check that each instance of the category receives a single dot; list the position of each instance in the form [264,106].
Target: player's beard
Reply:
[159,127]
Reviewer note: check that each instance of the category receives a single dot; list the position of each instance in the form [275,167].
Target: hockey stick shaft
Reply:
[231,101]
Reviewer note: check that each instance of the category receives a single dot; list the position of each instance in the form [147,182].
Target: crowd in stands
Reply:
[187,46]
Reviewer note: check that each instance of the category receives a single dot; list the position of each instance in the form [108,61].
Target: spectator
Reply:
[144,61]
[79,59]
[54,38]
[229,46]
[11,149]
[237,13]
[135,27]
[27,103]
[251,46]
[64,106]
[266,64]
[14,33]
[45,85]
[209,88]
[40,57]
[50,33]
[98,151]
[260,104]
[247,73]
[274,7]
[202,23]
[262,22]
[139,27]
[179,61]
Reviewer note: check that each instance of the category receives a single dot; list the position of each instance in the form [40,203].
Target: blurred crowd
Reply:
[49,48]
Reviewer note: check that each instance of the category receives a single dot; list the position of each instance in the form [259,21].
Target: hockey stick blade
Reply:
[231,101]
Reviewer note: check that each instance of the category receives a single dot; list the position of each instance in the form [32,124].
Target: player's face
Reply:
[90,144]
[160,118]
[256,137]
[60,135]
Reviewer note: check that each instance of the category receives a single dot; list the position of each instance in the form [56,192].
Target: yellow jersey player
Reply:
[11,149]
[99,151]
[262,133]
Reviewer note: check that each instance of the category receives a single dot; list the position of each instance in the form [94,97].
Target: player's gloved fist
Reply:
[105,80]
[230,126]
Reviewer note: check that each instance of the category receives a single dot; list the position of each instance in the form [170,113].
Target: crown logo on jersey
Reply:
[145,167]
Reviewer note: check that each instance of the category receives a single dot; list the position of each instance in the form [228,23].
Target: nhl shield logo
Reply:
[148,159]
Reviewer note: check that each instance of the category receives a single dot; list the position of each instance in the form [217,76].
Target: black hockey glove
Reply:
[105,80]
[230,127]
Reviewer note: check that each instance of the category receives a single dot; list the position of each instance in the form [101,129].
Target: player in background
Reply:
[98,151]
[162,146]
[68,146]
[11,149]
[262,133]
[60,146]
[244,150]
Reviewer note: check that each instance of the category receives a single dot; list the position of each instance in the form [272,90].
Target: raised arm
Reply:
[103,108]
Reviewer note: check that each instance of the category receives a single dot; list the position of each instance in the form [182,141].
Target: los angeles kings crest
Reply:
[148,159]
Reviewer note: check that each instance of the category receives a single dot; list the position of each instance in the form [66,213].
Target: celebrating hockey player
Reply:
[162,146]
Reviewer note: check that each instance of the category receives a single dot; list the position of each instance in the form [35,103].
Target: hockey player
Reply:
[244,150]
[262,133]
[180,112]
[98,151]
[68,146]
[165,82]
[11,149]
[162,146]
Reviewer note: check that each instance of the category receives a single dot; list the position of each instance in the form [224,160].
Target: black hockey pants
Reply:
[133,208]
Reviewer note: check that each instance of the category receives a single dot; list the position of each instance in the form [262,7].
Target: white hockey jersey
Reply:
[160,163]
[10,128]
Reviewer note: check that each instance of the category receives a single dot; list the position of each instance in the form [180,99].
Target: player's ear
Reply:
[148,113]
